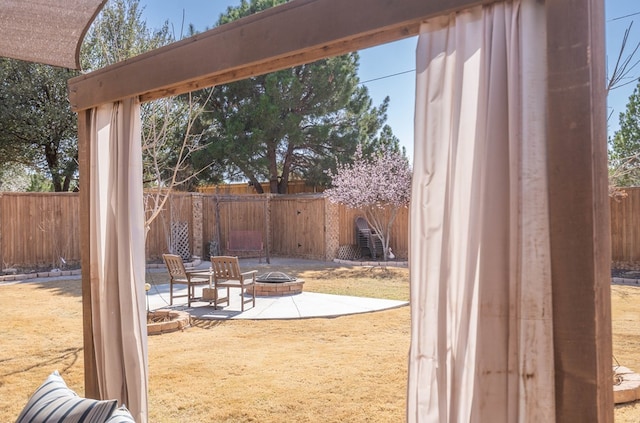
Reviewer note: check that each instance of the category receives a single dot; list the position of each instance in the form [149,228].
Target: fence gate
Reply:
[300,224]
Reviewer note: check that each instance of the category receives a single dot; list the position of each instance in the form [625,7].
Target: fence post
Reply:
[331,229]
[196,221]
[267,226]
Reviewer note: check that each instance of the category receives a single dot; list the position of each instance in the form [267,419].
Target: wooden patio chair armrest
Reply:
[250,273]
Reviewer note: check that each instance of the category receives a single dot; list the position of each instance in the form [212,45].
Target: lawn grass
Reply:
[345,369]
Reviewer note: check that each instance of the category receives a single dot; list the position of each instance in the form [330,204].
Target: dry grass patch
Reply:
[351,368]
[625,319]
[41,332]
[346,369]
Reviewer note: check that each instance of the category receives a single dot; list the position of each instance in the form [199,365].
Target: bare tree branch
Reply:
[624,64]
[167,115]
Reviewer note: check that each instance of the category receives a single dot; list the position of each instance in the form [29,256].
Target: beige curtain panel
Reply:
[482,341]
[117,256]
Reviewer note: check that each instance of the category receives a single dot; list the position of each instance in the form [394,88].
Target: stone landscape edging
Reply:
[21,277]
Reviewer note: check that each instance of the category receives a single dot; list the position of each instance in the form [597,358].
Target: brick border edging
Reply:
[180,320]
[20,277]
[37,275]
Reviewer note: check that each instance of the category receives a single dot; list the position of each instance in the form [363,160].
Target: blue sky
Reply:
[619,14]
[398,57]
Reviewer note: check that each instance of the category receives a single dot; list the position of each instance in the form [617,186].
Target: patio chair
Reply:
[226,274]
[179,276]
[367,238]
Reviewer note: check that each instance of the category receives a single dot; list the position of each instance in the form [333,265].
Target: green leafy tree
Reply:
[15,178]
[294,123]
[37,127]
[118,33]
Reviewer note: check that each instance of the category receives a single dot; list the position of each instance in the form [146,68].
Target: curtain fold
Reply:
[118,256]
[482,340]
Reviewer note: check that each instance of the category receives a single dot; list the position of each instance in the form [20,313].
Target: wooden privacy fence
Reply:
[173,228]
[399,240]
[41,229]
[625,226]
[305,226]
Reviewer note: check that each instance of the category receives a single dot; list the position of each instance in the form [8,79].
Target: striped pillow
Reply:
[121,415]
[54,402]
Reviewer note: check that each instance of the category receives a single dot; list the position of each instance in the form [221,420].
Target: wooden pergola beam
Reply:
[292,34]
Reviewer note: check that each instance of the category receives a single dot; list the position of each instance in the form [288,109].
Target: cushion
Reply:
[54,402]
[121,415]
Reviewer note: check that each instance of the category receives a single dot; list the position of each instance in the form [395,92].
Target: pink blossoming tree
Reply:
[378,186]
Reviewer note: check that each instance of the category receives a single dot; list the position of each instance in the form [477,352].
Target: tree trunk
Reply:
[51,156]
[273,167]
[256,185]
[286,169]
[283,184]
[67,183]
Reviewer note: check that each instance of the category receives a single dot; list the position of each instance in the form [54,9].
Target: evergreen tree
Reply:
[294,123]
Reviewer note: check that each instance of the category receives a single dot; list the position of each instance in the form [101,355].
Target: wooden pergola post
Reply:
[579,211]
[91,389]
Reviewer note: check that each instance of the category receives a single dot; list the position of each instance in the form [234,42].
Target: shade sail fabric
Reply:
[46,31]
[117,268]
[481,312]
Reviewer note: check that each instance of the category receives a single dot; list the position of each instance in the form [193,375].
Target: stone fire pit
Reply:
[277,284]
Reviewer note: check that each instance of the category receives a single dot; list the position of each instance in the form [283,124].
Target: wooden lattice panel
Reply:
[180,240]
[348,252]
